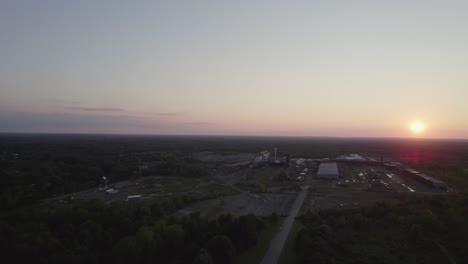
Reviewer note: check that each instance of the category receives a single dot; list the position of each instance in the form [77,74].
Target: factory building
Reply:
[425,178]
[392,165]
[431,181]
[328,170]
[261,157]
[300,162]
[132,198]
[411,171]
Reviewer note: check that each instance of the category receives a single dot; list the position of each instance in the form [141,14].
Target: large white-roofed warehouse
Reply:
[328,170]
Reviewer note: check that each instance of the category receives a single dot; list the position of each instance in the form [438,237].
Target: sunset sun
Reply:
[417,127]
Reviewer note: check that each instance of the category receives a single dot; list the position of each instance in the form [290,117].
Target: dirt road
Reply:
[277,244]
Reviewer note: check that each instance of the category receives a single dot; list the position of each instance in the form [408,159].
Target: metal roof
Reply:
[429,178]
[328,168]
[412,171]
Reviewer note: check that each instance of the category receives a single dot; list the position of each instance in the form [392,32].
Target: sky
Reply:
[291,68]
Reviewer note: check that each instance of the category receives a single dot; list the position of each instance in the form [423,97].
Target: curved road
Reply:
[277,244]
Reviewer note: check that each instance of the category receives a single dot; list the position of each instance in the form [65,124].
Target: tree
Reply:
[221,248]
[203,257]
[127,250]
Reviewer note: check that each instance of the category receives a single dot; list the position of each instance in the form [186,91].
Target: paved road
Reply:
[277,244]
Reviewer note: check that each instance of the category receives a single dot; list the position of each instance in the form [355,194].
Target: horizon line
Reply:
[224,135]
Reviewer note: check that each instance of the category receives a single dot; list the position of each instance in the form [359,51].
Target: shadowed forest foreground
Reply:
[426,230]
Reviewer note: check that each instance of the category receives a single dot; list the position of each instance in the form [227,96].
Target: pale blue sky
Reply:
[324,68]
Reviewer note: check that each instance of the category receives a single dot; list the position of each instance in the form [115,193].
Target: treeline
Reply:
[425,230]
[174,167]
[143,232]
[33,171]
[37,174]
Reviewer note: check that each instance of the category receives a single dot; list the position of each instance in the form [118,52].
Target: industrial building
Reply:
[426,178]
[352,157]
[431,181]
[411,171]
[392,165]
[300,162]
[263,156]
[132,198]
[328,170]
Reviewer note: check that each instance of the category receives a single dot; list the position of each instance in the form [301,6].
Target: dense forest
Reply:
[141,232]
[424,230]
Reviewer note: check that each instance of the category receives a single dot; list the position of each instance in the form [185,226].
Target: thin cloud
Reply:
[95,122]
[57,101]
[169,114]
[200,123]
[75,122]
[94,109]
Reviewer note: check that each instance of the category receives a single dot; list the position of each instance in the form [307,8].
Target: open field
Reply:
[152,187]
[261,204]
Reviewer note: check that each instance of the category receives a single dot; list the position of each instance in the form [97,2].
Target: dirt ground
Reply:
[262,204]
[151,187]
